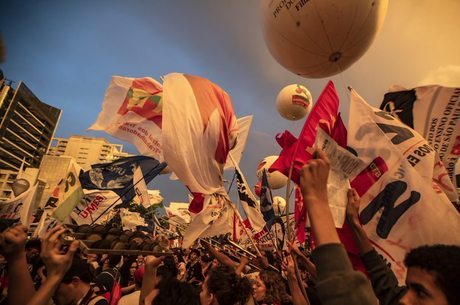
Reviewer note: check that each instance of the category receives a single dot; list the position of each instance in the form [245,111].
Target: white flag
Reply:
[400,209]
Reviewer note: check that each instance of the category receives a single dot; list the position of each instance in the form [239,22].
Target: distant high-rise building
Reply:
[86,150]
[27,126]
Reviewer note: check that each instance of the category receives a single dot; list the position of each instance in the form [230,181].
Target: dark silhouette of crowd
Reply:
[57,270]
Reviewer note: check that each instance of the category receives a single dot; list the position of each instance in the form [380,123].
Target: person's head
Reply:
[223,287]
[433,274]
[173,292]
[194,255]
[75,283]
[269,287]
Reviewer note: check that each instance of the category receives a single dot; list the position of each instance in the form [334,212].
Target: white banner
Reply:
[399,208]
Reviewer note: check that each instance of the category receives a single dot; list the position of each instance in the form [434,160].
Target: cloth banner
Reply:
[399,209]
[300,215]
[92,205]
[118,176]
[20,208]
[216,218]
[199,129]
[244,126]
[70,193]
[132,112]
[266,201]
[434,112]
[249,202]
[131,220]
[299,150]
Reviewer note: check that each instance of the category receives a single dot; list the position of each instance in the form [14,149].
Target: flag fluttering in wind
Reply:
[93,204]
[199,129]
[132,111]
[19,208]
[433,111]
[118,176]
[249,202]
[401,205]
[299,151]
[244,126]
[266,201]
[70,193]
[300,215]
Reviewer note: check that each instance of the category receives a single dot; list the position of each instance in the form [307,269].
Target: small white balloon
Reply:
[276,179]
[279,205]
[294,102]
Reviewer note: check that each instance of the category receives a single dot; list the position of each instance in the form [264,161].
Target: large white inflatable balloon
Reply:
[276,179]
[294,102]
[279,205]
[320,38]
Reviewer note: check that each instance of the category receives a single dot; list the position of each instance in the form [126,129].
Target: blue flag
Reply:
[118,176]
[266,201]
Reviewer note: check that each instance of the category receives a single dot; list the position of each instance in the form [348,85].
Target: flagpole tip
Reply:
[349,88]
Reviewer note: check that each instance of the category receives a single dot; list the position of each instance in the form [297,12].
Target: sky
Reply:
[67,51]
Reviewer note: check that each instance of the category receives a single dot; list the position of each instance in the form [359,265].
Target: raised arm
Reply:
[149,280]
[21,288]
[296,293]
[337,282]
[57,263]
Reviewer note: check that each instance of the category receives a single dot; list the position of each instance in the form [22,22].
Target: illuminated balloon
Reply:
[279,205]
[276,179]
[320,38]
[294,102]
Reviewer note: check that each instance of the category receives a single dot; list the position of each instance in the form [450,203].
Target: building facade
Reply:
[27,126]
[86,150]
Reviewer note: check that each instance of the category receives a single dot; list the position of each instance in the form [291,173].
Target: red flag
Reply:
[299,215]
[299,151]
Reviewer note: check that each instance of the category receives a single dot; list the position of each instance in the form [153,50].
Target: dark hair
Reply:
[174,292]
[113,260]
[125,270]
[196,251]
[275,287]
[170,264]
[444,262]
[228,288]
[79,268]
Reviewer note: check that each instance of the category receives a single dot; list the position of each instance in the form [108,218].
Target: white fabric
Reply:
[432,219]
[133,126]
[92,205]
[191,134]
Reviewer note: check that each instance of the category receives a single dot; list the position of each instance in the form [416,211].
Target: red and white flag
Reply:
[132,111]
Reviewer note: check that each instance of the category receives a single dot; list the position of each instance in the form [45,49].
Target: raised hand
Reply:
[313,177]
[353,207]
[13,241]
[56,260]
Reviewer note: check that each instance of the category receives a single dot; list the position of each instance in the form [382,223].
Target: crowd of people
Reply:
[54,270]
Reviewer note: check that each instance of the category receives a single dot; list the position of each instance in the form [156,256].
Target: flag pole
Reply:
[127,190]
[235,212]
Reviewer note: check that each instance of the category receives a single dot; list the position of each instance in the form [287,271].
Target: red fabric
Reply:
[324,115]
[299,215]
[297,151]
[197,203]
